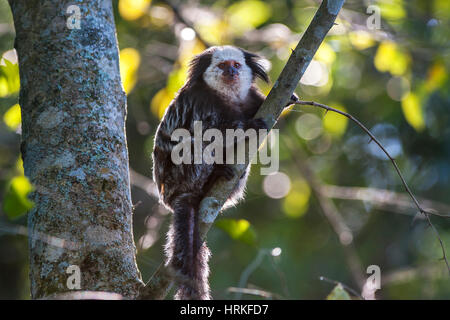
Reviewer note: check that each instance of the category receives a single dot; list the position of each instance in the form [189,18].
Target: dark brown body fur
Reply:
[182,187]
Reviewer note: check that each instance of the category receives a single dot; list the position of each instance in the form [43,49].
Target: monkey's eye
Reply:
[237,65]
[222,65]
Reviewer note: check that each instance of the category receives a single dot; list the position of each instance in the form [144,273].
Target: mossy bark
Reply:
[74,148]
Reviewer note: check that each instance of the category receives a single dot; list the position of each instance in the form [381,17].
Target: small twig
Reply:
[144,183]
[408,190]
[136,205]
[249,270]
[41,236]
[281,276]
[349,289]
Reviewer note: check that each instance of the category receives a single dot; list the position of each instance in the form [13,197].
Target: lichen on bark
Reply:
[74,148]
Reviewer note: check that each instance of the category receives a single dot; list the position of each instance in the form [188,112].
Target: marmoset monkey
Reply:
[220,92]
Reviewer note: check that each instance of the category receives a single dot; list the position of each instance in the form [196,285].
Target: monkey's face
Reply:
[229,74]
[230,71]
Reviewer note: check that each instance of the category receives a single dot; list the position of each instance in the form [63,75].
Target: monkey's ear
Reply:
[251,59]
[198,66]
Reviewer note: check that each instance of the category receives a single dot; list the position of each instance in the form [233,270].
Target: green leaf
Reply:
[392,9]
[248,14]
[12,117]
[16,202]
[338,293]
[9,78]
[240,230]
[412,109]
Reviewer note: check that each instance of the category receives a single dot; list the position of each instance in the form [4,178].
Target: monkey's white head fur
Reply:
[237,90]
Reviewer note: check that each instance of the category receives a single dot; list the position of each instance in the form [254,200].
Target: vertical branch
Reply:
[74,147]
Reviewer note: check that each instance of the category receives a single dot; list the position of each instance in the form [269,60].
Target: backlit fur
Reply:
[204,97]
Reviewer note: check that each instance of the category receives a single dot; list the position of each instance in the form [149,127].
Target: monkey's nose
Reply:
[230,71]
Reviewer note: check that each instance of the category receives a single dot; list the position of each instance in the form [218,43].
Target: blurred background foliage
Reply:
[280,241]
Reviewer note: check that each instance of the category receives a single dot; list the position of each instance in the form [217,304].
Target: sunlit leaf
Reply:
[264,87]
[248,14]
[325,54]
[12,117]
[295,204]
[163,97]
[215,31]
[441,9]
[437,75]
[16,203]
[392,9]
[391,58]
[176,79]
[361,39]
[338,293]
[133,9]
[238,230]
[129,64]
[3,87]
[9,78]
[412,110]
[19,165]
[160,102]
[335,123]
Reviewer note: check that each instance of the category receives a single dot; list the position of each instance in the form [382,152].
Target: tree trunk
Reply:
[74,148]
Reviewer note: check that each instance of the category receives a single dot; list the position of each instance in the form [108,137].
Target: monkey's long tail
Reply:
[186,253]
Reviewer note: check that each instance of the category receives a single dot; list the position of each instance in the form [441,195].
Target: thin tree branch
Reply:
[269,111]
[385,199]
[408,190]
[349,289]
[248,271]
[144,183]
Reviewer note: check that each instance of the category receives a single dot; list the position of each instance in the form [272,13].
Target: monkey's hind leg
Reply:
[187,255]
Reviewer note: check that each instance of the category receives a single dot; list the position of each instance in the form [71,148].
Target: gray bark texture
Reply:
[74,148]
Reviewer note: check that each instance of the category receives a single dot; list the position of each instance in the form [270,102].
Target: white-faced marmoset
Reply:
[220,92]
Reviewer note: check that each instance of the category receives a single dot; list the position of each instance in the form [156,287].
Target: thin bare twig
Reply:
[254,264]
[408,190]
[248,271]
[349,289]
